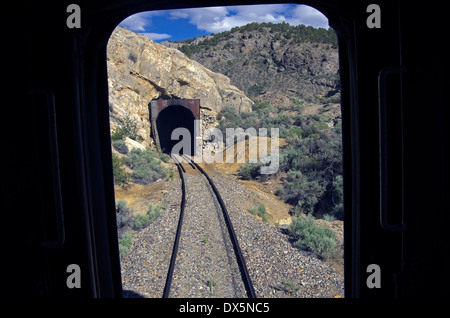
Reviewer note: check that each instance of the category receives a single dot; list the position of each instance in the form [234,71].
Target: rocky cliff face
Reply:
[140,70]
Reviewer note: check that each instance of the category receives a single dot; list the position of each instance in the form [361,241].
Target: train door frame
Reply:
[73,69]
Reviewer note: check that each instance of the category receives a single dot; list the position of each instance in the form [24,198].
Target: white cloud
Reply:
[218,19]
[262,12]
[302,14]
[136,22]
[208,19]
[242,15]
[157,36]
[179,14]
[139,21]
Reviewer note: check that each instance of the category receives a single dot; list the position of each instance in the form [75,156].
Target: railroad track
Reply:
[206,258]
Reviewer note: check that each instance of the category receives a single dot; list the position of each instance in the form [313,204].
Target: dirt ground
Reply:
[138,197]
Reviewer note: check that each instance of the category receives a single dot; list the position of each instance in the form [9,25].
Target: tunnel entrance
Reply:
[170,118]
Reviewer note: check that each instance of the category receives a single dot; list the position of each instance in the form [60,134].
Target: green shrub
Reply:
[312,157]
[154,211]
[296,131]
[122,207]
[118,134]
[124,217]
[120,175]
[260,211]
[120,146]
[171,174]
[141,221]
[146,168]
[125,243]
[311,236]
[126,222]
[164,157]
[130,126]
[249,171]
[300,192]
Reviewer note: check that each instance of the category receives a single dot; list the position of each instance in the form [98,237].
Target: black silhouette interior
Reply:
[168,120]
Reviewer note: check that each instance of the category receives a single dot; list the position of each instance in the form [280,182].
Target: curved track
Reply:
[206,220]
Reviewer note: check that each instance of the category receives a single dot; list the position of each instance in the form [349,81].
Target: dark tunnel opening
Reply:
[170,118]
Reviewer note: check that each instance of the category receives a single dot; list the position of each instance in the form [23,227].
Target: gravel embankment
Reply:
[277,268]
[144,268]
[206,266]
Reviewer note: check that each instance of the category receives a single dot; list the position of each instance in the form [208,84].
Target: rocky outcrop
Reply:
[269,63]
[140,70]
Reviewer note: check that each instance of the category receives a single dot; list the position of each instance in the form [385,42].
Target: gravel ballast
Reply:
[206,266]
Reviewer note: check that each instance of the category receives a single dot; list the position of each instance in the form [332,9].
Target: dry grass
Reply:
[138,197]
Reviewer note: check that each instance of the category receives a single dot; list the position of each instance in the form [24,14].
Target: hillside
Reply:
[271,62]
[297,92]
[140,70]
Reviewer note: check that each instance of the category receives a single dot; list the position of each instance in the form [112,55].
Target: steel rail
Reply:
[166,291]
[237,250]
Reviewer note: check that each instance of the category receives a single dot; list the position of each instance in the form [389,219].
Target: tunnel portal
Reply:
[170,118]
[167,115]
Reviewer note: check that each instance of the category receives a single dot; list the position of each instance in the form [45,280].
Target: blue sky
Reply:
[186,23]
